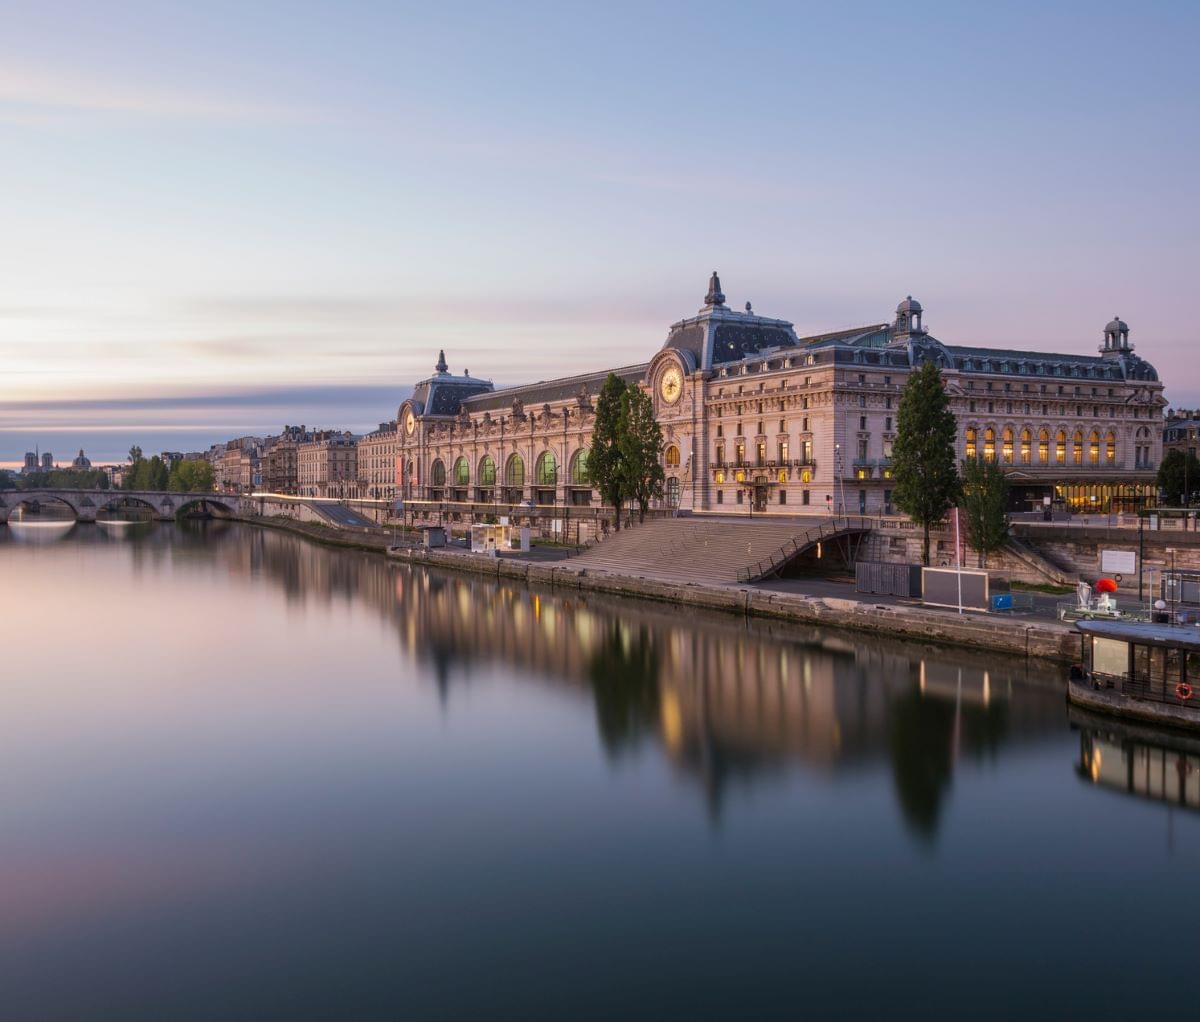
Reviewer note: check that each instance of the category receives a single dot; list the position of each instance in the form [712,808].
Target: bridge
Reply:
[85,505]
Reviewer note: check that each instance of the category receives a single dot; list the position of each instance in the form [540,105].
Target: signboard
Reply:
[940,588]
[1118,562]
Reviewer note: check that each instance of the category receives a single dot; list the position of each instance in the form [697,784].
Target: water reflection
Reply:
[1147,763]
[730,702]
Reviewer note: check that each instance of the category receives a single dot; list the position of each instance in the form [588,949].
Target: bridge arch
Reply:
[121,500]
[210,499]
[36,499]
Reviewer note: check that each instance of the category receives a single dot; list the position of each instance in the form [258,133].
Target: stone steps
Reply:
[690,550]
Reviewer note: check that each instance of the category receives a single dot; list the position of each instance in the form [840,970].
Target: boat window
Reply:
[1110,657]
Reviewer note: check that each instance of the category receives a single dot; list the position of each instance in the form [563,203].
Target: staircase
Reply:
[702,550]
[1032,557]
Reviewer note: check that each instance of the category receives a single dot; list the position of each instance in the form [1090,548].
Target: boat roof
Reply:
[1176,636]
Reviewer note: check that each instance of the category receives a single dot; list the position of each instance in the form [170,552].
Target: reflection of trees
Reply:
[926,734]
[623,672]
[731,702]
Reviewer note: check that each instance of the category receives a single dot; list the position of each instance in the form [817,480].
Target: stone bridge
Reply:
[86,504]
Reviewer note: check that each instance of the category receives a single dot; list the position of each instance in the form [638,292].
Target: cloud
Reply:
[33,94]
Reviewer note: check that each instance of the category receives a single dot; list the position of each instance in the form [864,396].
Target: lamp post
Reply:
[1173,583]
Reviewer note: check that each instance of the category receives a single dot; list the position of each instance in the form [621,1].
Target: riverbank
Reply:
[1047,641]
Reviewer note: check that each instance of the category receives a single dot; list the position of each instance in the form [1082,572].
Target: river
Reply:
[244,776]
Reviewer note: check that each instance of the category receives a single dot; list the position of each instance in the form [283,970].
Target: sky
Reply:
[219,218]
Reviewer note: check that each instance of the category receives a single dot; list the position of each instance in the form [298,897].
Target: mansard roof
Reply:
[531,395]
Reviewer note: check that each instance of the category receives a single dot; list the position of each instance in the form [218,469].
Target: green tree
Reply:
[984,505]
[1178,477]
[640,444]
[604,458]
[923,461]
[133,474]
[190,475]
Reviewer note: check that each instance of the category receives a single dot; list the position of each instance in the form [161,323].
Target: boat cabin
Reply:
[1155,662]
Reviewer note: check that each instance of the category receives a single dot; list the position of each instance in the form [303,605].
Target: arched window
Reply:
[673,456]
[989,444]
[462,473]
[545,472]
[514,471]
[972,443]
[1077,448]
[487,471]
[1094,448]
[1026,447]
[1007,445]
[1044,447]
[1110,449]
[1060,448]
[579,469]
[437,473]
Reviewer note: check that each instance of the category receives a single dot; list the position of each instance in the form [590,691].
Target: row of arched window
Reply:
[1014,449]
[545,471]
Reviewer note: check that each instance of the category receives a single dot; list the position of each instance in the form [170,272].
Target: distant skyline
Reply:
[220,218]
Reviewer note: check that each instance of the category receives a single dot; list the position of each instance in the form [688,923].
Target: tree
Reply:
[132,477]
[984,506]
[923,461]
[604,459]
[1178,477]
[190,475]
[640,444]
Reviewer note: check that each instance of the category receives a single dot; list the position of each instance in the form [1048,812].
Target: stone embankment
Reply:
[1045,640]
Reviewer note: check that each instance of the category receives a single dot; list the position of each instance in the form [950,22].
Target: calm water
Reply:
[245,777]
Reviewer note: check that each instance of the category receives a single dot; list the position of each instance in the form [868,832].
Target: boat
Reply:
[1139,670]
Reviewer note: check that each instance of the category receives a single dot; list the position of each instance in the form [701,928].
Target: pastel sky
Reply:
[221,217]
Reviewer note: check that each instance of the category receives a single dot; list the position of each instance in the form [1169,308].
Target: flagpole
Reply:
[958,558]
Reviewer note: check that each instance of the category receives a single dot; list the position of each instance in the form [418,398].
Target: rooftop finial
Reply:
[441,366]
[714,296]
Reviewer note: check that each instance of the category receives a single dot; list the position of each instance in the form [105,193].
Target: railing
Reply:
[1173,691]
[826,530]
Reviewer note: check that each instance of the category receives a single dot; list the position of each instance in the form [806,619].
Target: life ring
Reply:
[1183,691]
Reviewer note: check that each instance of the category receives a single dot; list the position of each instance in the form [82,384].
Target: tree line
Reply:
[187,475]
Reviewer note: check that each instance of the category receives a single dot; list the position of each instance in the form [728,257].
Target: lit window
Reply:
[972,440]
[989,444]
[1007,448]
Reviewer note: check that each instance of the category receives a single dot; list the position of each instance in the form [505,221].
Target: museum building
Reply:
[758,419]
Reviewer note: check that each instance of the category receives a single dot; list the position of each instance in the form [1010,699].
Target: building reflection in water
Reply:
[1159,766]
[730,701]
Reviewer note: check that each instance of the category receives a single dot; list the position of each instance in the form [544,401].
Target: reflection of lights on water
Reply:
[40,532]
[671,717]
[1094,765]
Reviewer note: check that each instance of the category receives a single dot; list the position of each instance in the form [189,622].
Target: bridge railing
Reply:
[826,530]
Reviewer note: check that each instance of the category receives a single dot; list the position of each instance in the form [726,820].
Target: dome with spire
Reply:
[1117,325]
[909,305]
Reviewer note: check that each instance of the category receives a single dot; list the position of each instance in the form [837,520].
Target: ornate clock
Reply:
[410,422]
[670,385]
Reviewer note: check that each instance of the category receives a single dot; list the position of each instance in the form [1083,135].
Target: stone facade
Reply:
[327,465]
[1182,431]
[280,462]
[757,419]
[377,463]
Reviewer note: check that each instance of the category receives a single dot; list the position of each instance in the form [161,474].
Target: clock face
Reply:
[410,422]
[670,386]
